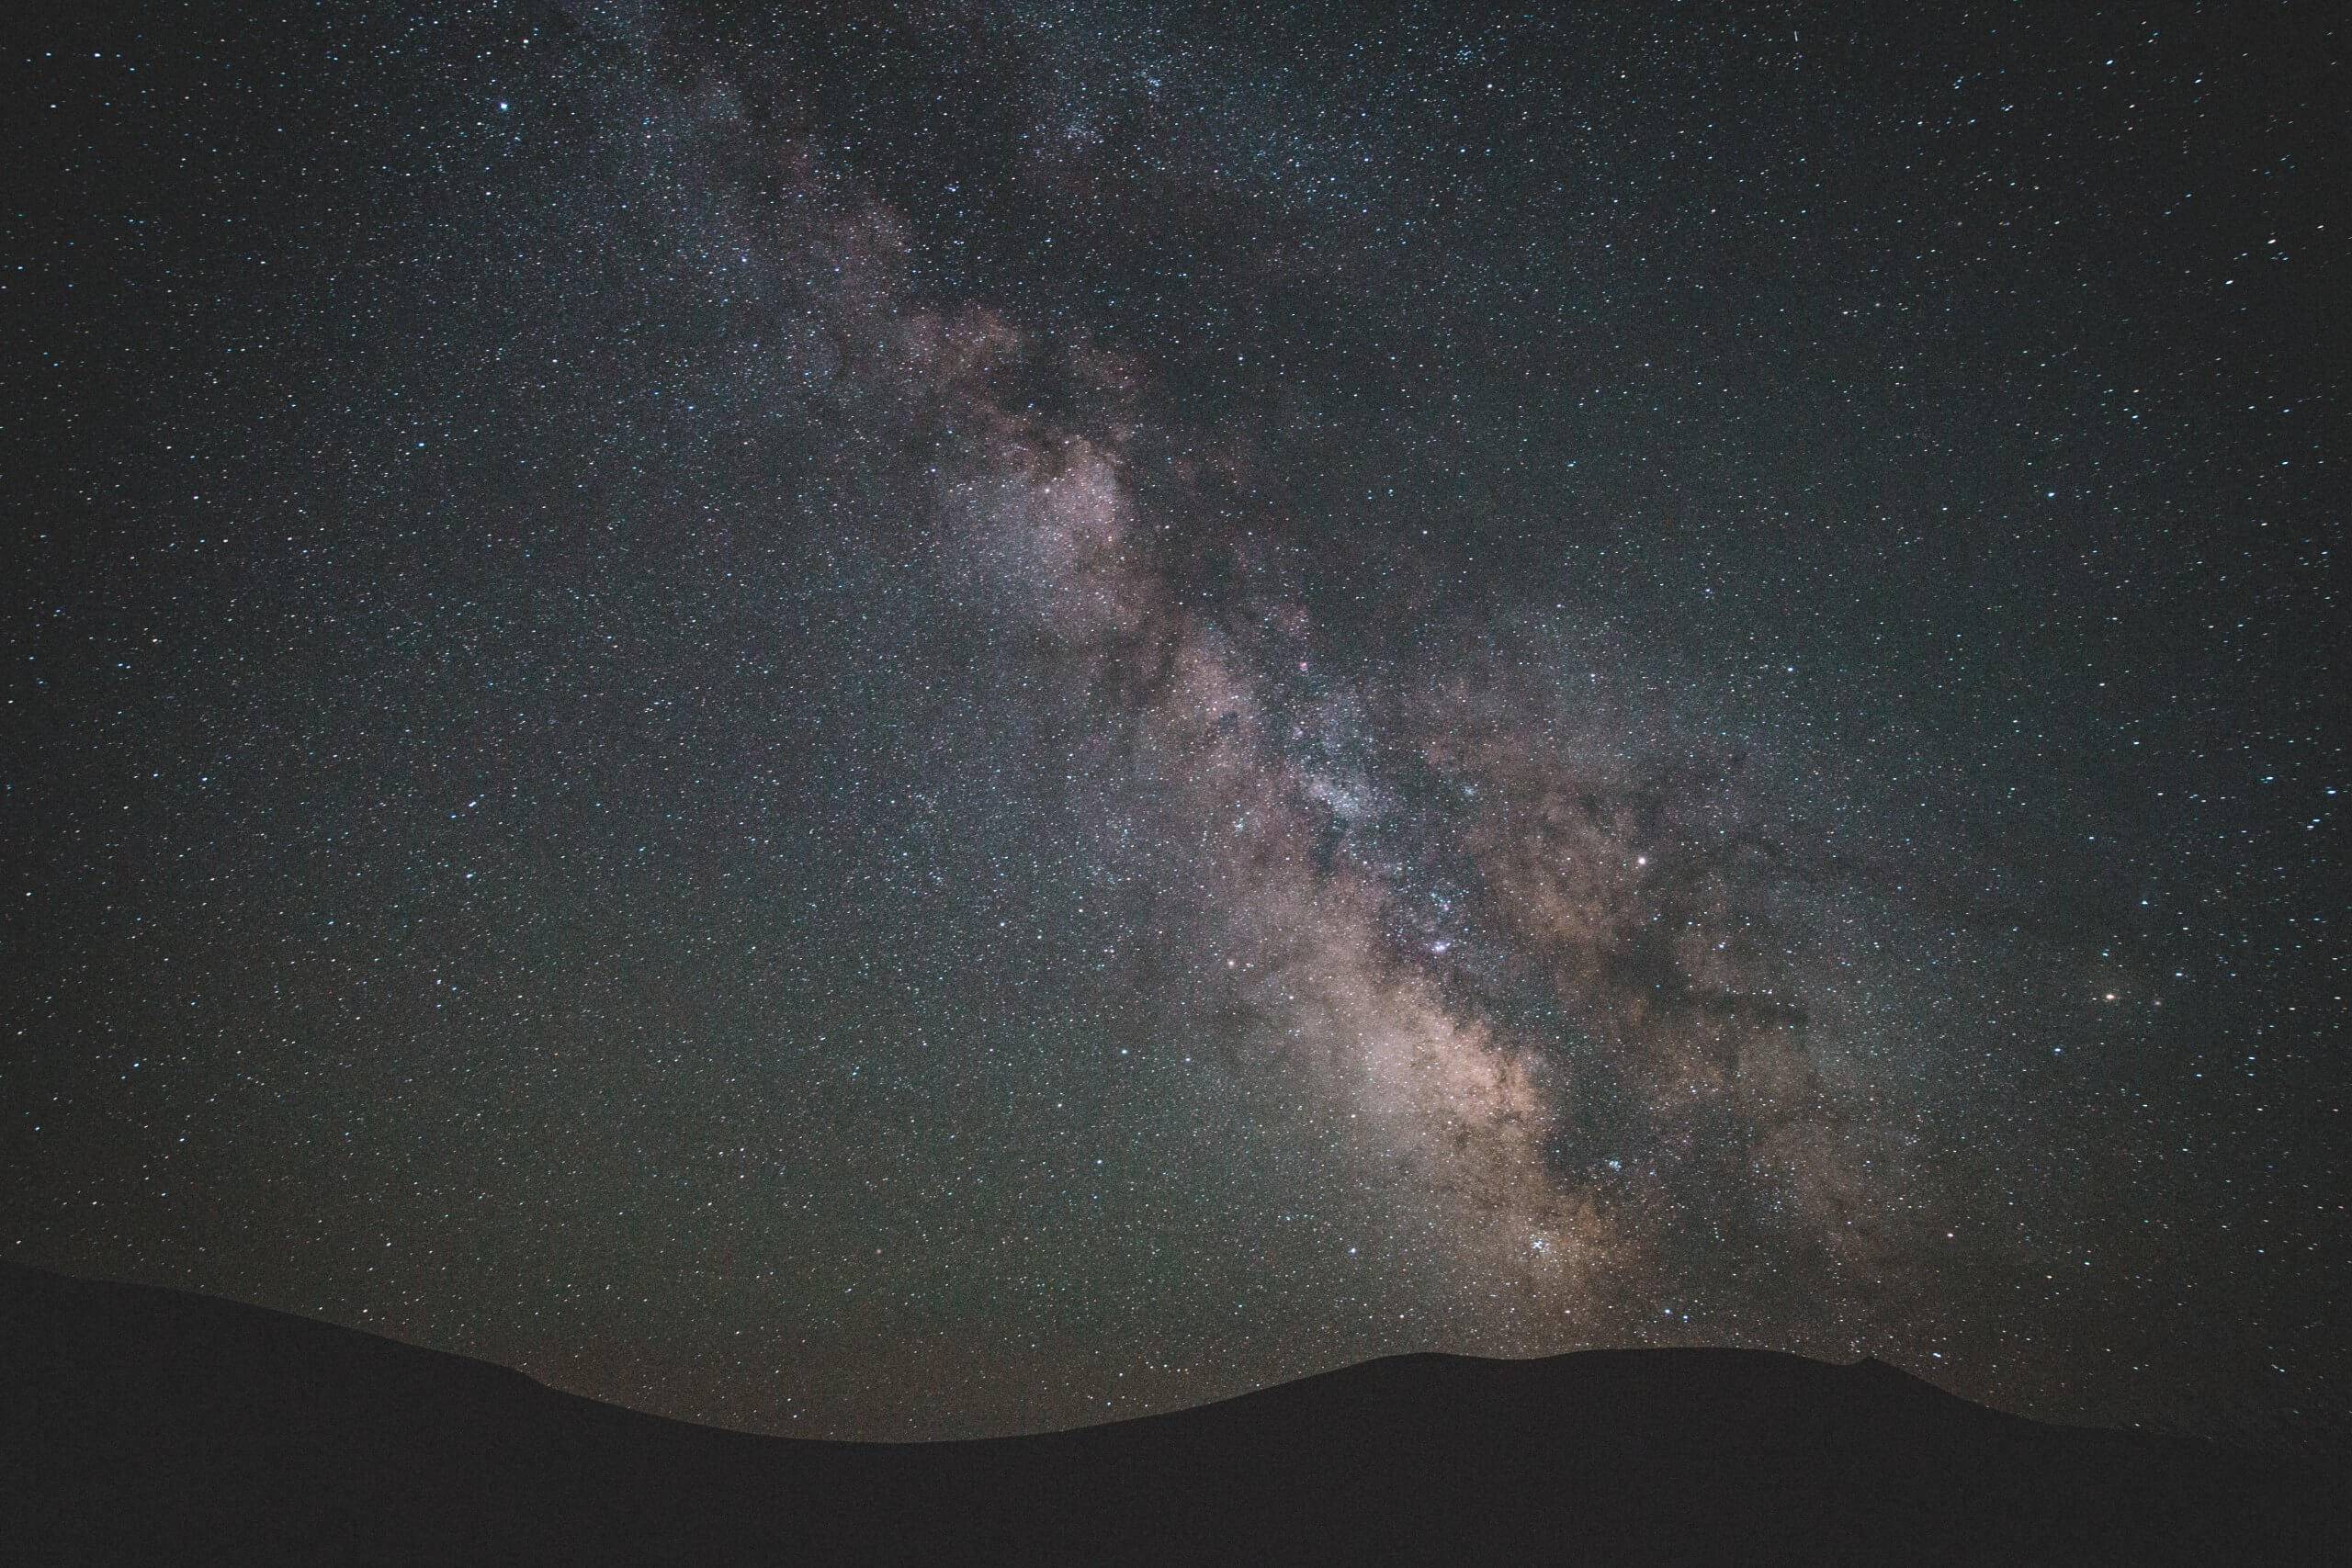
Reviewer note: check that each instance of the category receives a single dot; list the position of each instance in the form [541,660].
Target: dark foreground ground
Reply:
[140,1424]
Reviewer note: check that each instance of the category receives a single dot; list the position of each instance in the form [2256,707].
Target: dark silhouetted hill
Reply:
[142,1425]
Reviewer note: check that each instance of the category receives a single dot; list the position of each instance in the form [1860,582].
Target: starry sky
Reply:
[904,721]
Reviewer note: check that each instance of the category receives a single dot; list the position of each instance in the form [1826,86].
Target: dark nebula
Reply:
[915,720]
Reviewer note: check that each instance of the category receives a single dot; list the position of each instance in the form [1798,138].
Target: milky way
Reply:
[918,722]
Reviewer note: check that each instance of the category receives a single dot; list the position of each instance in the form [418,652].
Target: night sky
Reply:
[928,720]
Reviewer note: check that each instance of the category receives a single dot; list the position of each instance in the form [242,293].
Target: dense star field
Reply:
[909,721]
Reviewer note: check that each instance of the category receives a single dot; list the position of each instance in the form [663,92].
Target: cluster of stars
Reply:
[913,724]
